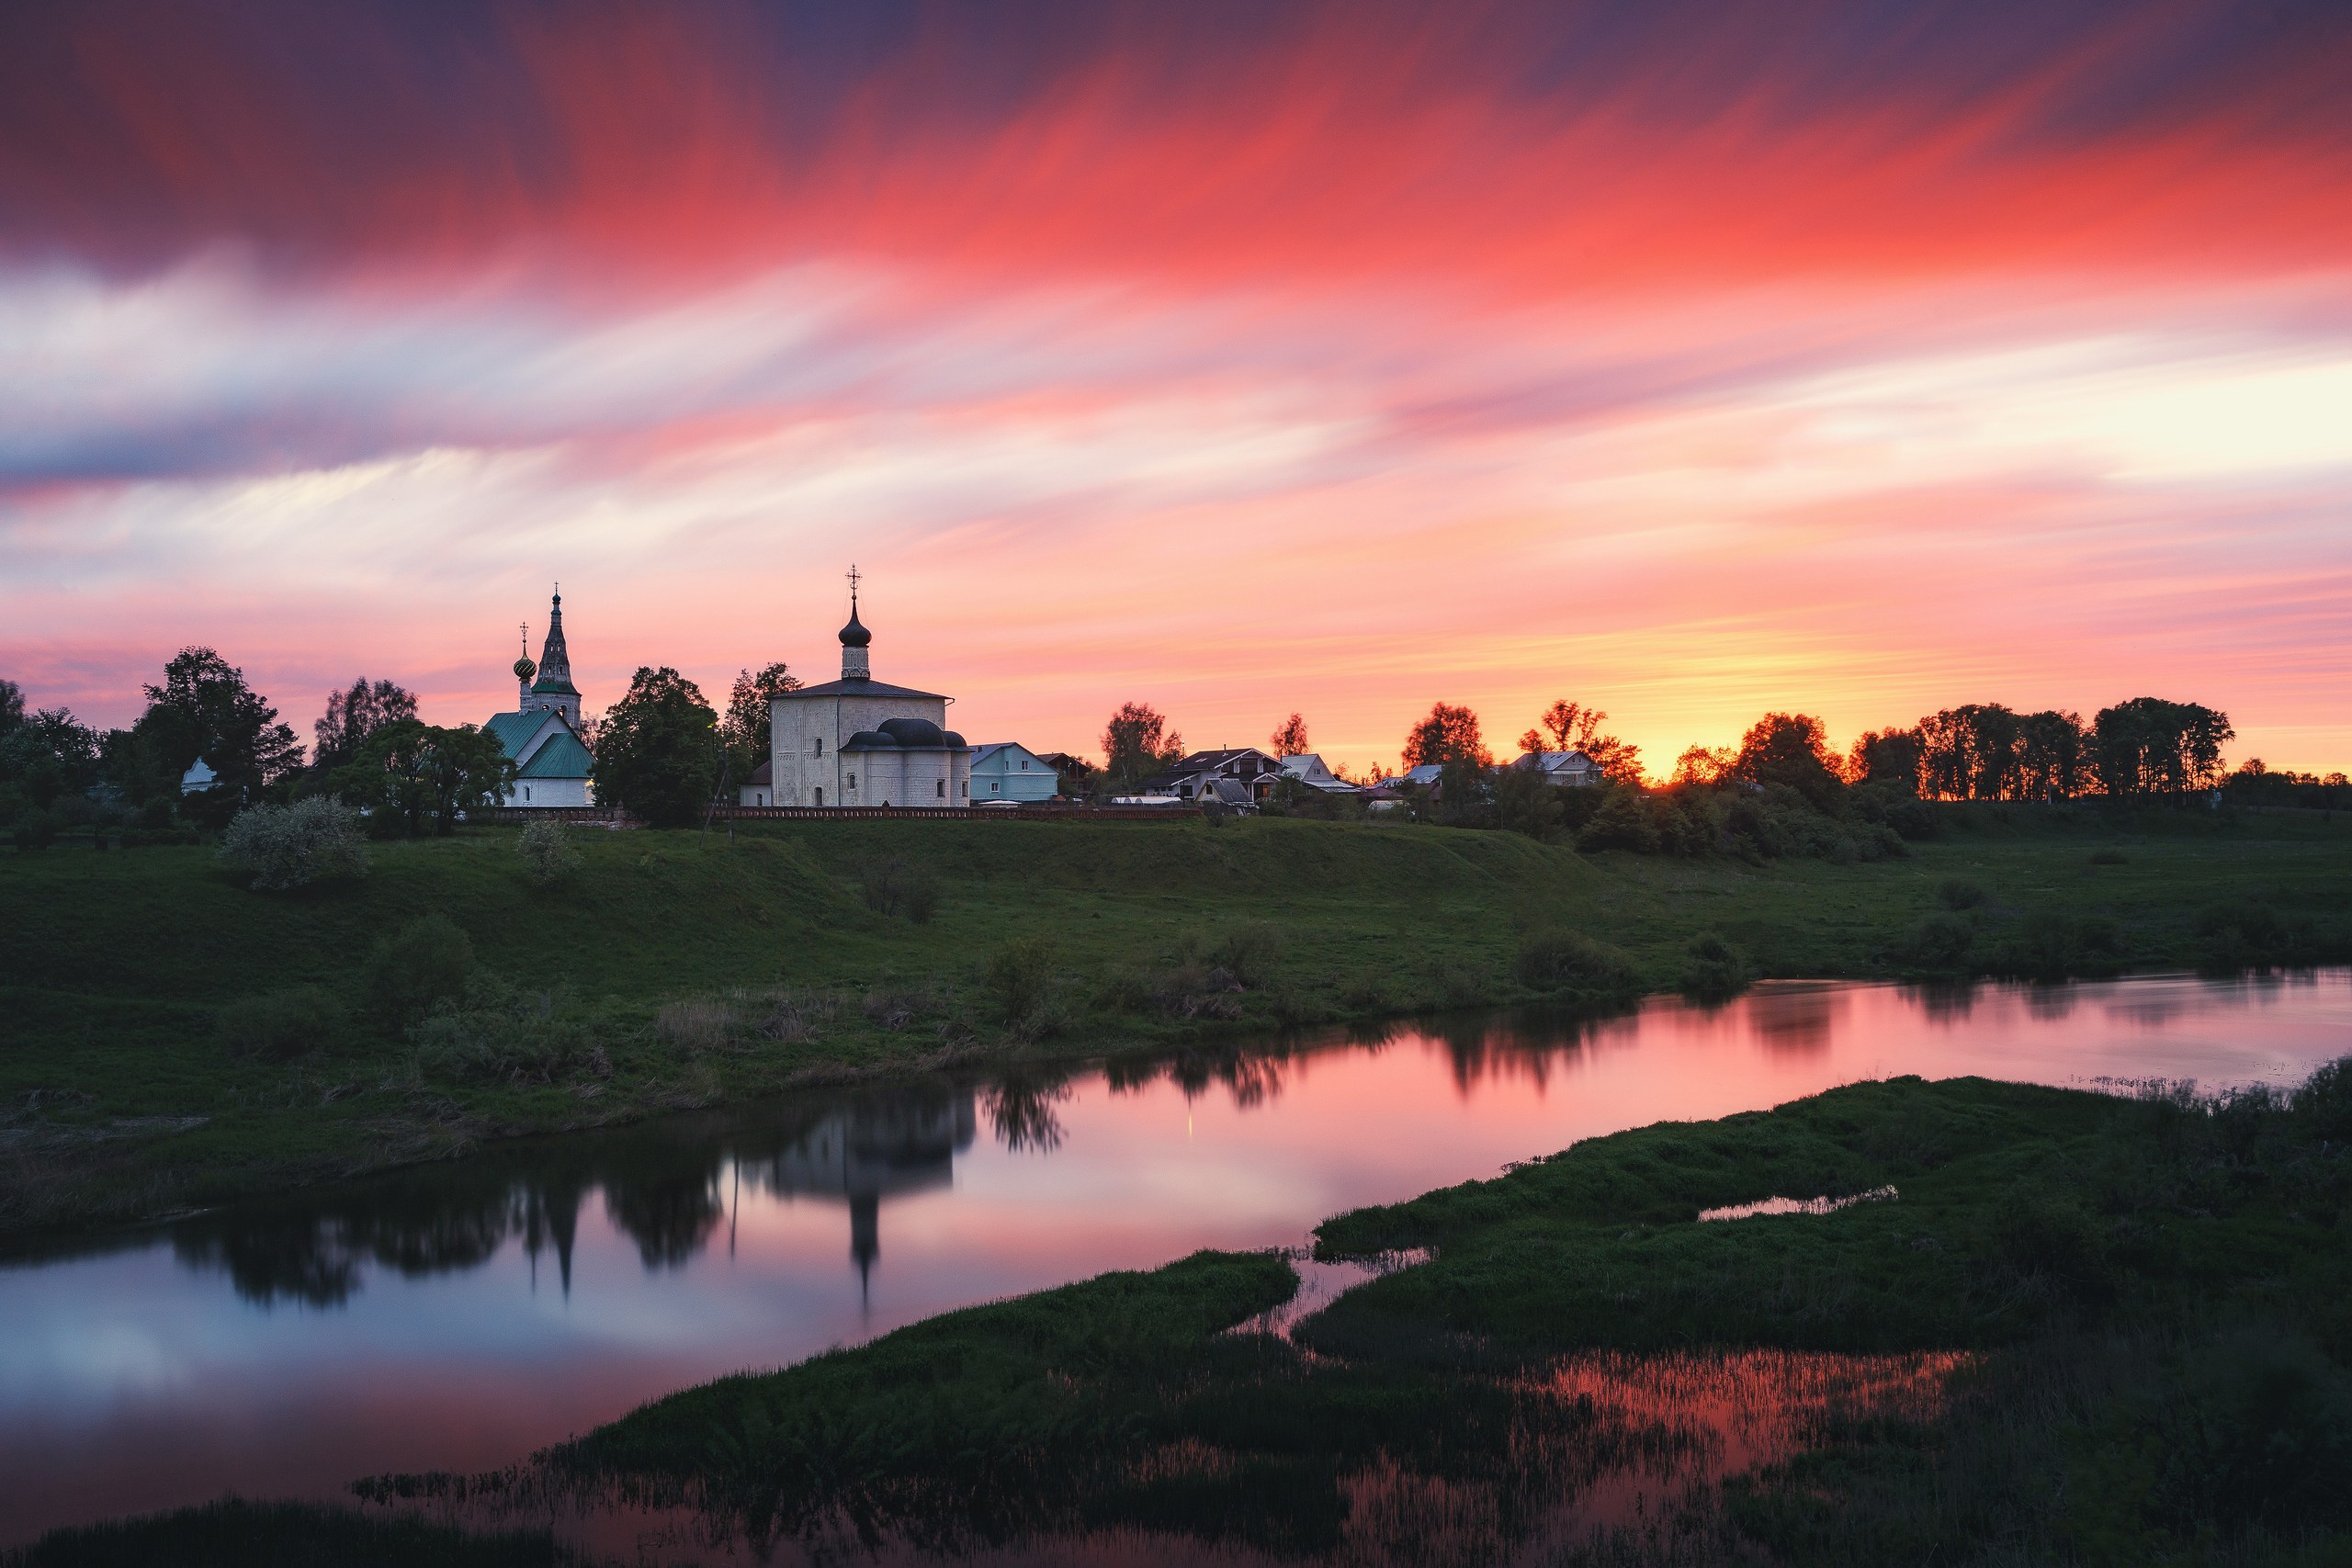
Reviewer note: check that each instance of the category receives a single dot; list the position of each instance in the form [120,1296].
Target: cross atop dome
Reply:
[855,637]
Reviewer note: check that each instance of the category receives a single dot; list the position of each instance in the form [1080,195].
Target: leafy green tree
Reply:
[1137,743]
[354,715]
[745,730]
[47,754]
[1448,734]
[1792,750]
[417,777]
[657,750]
[234,730]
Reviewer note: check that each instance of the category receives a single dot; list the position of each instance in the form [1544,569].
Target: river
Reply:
[459,1317]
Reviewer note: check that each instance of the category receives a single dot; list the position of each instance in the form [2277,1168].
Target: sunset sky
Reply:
[1857,358]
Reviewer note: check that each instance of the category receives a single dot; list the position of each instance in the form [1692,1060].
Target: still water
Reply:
[461,1317]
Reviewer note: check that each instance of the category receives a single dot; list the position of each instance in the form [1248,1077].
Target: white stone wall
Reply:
[531,792]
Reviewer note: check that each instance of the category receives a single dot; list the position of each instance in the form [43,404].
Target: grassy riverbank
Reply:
[169,1038]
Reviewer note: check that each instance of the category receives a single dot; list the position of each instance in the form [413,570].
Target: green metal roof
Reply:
[514,729]
[561,757]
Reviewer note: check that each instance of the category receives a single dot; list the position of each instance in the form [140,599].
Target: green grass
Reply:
[134,1079]
[237,1534]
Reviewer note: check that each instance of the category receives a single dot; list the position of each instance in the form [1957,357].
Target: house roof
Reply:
[514,729]
[1427,774]
[1558,762]
[857,686]
[562,757]
[765,774]
[987,751]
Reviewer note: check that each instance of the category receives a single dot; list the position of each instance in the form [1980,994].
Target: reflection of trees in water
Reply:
[1021,1111]
[1794,1017]
[1944,1001]
[661,1186]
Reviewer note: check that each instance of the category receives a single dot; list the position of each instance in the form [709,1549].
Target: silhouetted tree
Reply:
[45,754]
[1703,764]
[745,730]
[2053,756]
[1289,739]
[1792,750]
[1137,743]
[657,753]
[230,726]
[354,714]
[1886,756]
[1448,735]
[2149,746]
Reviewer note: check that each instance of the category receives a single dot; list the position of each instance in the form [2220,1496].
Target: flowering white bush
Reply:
[545,848]
[286,846]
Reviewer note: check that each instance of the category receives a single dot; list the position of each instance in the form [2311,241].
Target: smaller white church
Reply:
[860,741]
[551,761]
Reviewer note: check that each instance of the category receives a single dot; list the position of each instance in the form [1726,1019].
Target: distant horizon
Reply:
[1338,360]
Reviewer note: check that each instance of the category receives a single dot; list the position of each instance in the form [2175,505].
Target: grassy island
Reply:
[170,1037]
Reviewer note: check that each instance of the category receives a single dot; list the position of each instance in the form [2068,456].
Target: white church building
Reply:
[860,741]
[551,762]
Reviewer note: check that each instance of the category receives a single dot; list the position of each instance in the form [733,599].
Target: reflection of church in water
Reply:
[887,1147]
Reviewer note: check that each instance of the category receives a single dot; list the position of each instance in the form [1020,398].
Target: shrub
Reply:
[547,850]
[2241,934]
[1959,893]
[1249,952]
[156,815]
[1019,978]
[1941,942]
[278,847]
[2109,857]
[427,962]
[2053,946]
[280,1025]
[36,829]
[1554,960]
[895,886]
[694,1025]
[1717,969]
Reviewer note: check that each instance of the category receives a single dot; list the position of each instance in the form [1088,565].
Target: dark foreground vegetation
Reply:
[170,1037]
[2079,1328]
[2154,1294]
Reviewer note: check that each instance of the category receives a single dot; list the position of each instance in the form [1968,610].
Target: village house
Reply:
[1251,772]
[1307,768]
[1568,770]
[1006,770]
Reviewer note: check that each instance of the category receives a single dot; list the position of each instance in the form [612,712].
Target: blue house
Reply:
[1006,770]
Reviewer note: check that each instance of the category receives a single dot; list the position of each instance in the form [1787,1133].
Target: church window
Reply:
[821,795]
[852,781]
[817,747]
[943,789]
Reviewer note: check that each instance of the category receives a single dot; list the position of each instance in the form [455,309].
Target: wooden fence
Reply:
[610,817]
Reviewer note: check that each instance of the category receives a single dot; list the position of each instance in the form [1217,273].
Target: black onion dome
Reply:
[524,668]
[952,740]
[870,741]
[854,635]
[915,733]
